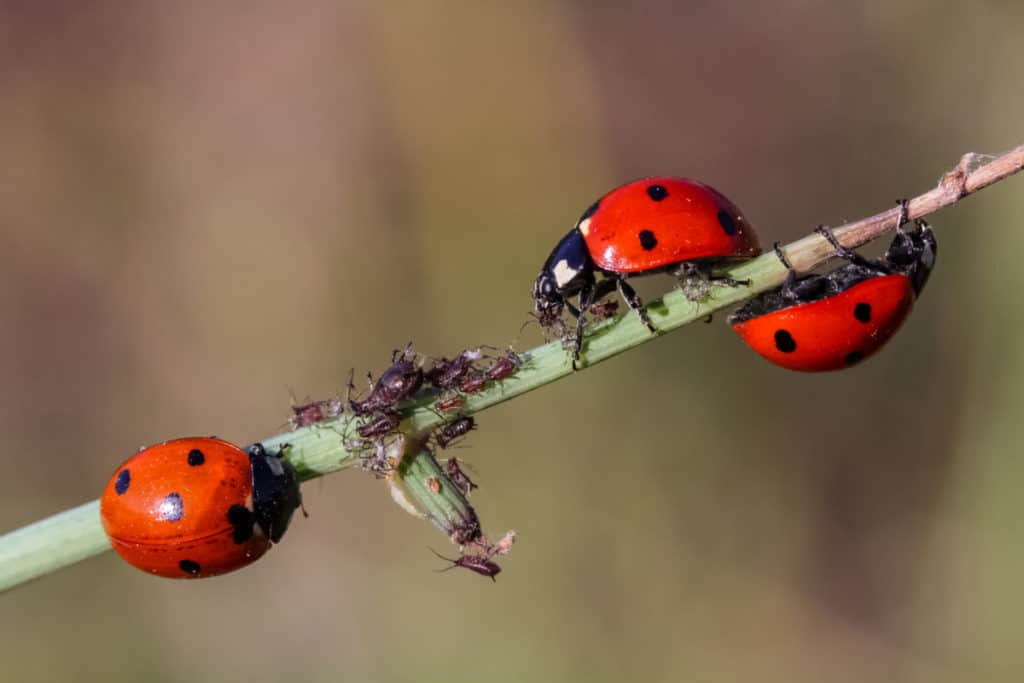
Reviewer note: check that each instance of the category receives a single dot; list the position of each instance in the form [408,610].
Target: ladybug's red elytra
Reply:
[828,322]
[198,507]
[653,225]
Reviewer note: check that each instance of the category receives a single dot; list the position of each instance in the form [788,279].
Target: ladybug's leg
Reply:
[632,300]
[844,252]
[586,298]
[789,286]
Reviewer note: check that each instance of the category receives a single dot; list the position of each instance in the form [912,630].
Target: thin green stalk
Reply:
[76,534]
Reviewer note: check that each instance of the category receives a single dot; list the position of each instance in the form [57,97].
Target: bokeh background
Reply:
[204,207]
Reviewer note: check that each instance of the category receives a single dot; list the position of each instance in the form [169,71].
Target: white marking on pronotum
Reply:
[564,273]
[584,226]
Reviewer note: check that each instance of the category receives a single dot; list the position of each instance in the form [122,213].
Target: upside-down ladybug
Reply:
[653,225]
[198,507]
[829,322]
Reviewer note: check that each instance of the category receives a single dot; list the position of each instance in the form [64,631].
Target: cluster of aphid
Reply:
[377,415]
[201,506]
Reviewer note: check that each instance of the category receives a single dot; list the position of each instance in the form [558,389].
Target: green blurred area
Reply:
[202,209]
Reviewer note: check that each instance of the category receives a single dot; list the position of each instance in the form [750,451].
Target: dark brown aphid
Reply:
[458,476]
[504,366]
[450,403]
[604,309]
[453,430]
[480,564]
[446,374]
[398,382]
[382,424]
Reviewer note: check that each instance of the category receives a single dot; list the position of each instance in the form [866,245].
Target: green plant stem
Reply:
[76,534]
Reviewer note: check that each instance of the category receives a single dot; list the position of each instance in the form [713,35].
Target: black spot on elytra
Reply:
[657,192]
[647,240]
[241,519]
[196,457]
[862,312]
[171,509]
[854,357]
[589,212]
[727,222]
[190,567]
[124,480]
[784,341]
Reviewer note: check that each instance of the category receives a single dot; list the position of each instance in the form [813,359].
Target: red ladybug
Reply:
[198,507]
[829,322]
[653,225]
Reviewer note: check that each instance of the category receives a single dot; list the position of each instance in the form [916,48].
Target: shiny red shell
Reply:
[166,509]
[835,332]
[661,221]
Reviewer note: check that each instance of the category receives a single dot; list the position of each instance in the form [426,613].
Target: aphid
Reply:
[473,382]
[458,476]
[604,309]
[503,544]
[480,564]
[504,366]
[446,374]
[450,403]
[454,429]
[382,424]
[398,382]
[311,413]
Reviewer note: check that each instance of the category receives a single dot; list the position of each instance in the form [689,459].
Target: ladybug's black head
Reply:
[913,253]
[275,492]
[568,269]
[547,302]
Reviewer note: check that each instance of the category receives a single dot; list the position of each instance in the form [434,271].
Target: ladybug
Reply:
[198,507]
[653,225]
[827,322]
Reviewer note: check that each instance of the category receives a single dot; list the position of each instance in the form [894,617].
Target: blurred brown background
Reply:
[202,207]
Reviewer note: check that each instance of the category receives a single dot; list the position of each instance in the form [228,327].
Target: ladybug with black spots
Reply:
[198,507]
[818,323]
[653,225]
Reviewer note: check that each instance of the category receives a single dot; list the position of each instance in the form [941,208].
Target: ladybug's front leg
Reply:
[586,298]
